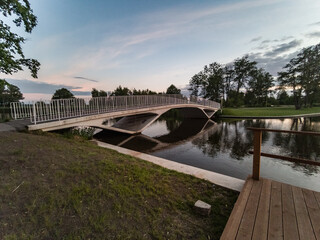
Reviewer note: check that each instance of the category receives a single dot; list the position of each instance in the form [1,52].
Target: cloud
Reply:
[28,86]
[282,48]
[88,79]
[151,28]
[313,34]
[256,39]
[314,24]
[273,65]
[81,93]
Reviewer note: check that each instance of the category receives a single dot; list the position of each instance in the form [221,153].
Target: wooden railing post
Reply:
[257,138]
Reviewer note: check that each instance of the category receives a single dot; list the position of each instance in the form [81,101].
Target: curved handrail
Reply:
[58,109]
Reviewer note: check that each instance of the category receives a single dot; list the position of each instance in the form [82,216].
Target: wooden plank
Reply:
[290,226]
[303,220]
[260,231]
[314,211]
[275,221]
[232,226]
[248,219]
[317,195]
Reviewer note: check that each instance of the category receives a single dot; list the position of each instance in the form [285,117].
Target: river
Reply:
[223,146]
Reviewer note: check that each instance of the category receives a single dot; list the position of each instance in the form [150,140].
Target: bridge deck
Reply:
[268,209]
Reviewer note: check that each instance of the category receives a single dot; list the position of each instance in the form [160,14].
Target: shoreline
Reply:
[271,117]
[215,178]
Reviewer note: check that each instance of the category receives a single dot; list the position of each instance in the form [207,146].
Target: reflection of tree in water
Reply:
[231,137]
[172,118]
[302,146]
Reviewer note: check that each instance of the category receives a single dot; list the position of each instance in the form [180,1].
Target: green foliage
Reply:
[172,89]
[284,99]
[230,81]
[119,91]
[96,93]
[9,93]
[259,88]
[84,132]
[143,92]
[12,57]
[62,93]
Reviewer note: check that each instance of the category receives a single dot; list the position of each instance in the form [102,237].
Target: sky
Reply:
[152,44]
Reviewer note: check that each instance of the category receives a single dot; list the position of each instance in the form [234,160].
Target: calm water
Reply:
[223,146]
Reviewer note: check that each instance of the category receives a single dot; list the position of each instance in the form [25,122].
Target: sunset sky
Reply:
[151,44]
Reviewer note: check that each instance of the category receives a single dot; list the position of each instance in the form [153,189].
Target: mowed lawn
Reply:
[268,111]
[58,188]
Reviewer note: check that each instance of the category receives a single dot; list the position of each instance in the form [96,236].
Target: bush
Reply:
[84,132]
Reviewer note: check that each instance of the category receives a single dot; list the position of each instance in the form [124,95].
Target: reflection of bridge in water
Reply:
[133,113]
[188,130]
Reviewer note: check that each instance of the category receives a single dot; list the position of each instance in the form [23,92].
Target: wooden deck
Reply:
[268,209]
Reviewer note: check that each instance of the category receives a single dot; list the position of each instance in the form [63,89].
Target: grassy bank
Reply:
[268,111]
[58,188]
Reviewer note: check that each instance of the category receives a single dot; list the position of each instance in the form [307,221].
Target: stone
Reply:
[202,208]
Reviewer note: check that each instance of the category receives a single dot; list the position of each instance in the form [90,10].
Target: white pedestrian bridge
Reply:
[127,114]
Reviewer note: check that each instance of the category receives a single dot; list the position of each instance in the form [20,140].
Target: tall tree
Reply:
[196,84]
[9,93]
[172,89]
[302,75]
[228,79]
[62,93]
[215,78]
[12,57]
[260,85]
[243,70]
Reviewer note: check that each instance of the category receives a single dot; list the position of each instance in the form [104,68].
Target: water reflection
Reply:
[223,146]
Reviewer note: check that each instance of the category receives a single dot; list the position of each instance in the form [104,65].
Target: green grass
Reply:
[57,188]
[268,111]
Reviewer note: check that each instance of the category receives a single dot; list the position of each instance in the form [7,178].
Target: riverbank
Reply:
[270,112]
[53,187]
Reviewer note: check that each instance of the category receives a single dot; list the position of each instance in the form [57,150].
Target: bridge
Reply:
[127,114]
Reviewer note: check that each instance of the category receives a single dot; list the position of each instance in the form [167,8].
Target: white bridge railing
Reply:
[52,110]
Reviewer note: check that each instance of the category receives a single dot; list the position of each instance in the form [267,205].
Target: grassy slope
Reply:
[75,190]
[268,111]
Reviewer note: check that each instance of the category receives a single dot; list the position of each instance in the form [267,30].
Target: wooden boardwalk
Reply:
[267,209]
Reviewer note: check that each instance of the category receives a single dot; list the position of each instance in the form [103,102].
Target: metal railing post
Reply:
[58,103]
[257,139]
[15,111]
[34,113]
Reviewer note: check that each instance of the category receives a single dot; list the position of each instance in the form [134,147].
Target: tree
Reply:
[260,85]
[119,91]
[62,93]
[143,92]
[243,69]
[172,89]
[214,81]
[96,93]
[12,57]
[9,93]
[196,84]
[302,75]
